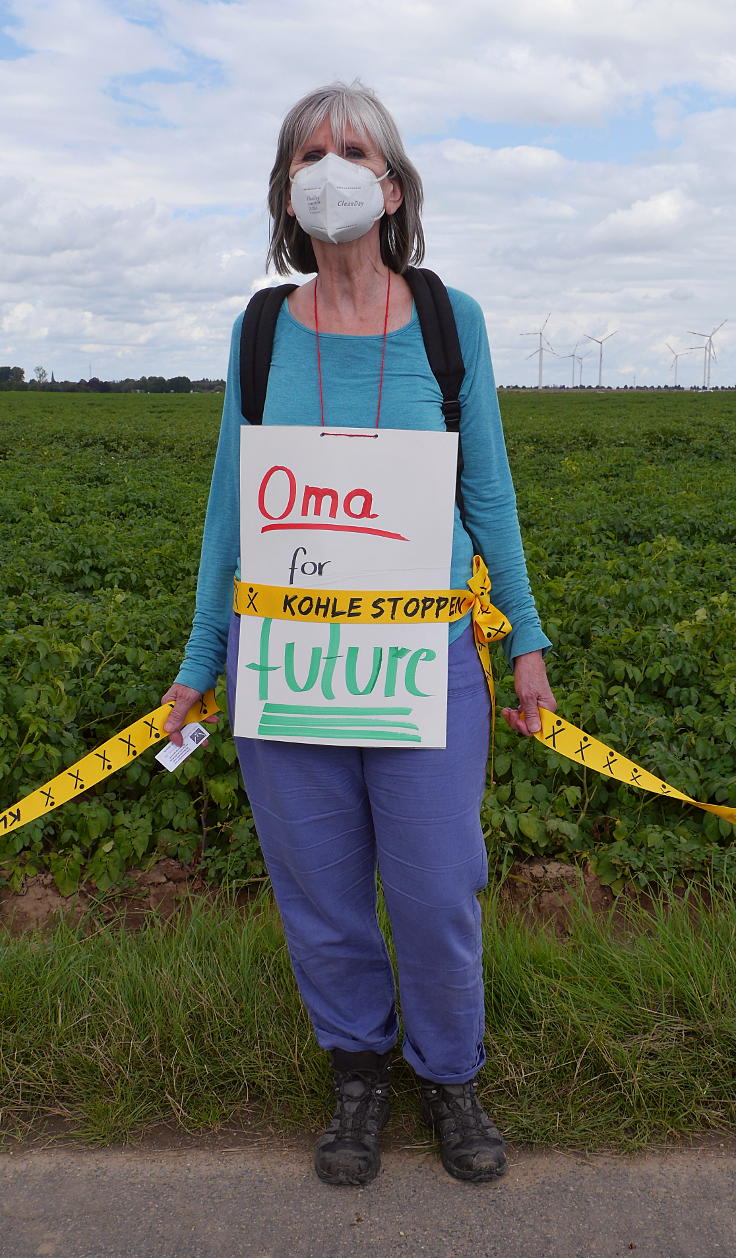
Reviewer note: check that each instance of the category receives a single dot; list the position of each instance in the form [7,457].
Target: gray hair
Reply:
[355,106]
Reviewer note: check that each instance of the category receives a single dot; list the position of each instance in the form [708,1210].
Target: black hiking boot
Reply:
[471,1146]
[348,1152]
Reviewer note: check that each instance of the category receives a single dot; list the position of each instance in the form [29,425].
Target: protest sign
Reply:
[345,510]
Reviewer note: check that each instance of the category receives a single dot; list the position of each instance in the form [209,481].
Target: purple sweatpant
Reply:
[327,817]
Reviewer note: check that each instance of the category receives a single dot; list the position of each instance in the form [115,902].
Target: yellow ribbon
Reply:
[489,625]
[110,756]
[575,744]
[374,607]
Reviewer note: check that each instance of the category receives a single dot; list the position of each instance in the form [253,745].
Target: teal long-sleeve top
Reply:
[411,399]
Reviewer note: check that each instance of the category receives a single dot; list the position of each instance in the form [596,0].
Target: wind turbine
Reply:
[681,354]
[600,342]
[540,350]
[579,360]
[709,354]
[574,356]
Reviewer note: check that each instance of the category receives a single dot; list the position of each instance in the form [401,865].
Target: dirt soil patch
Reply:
[541,891]
[159,889]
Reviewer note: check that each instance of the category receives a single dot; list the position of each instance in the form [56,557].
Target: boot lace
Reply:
[356,1113]
[467,1113]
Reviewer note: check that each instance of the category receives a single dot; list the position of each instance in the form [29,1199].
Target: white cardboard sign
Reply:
[345,509]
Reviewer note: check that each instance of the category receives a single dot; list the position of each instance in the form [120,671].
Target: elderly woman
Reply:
[329,816]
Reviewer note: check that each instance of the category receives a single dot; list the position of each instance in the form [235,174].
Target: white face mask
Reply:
[335,200]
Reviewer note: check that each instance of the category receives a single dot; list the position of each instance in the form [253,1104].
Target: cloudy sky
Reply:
[578,159]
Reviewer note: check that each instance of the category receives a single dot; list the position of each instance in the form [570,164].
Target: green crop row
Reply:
[628,507]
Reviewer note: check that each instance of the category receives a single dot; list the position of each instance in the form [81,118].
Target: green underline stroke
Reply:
[326,732]
[326,722]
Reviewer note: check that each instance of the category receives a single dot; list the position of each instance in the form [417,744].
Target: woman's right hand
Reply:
[184,697]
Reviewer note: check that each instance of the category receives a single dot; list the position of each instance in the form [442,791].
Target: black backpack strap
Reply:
[441,342]
[442,346]
[256,343]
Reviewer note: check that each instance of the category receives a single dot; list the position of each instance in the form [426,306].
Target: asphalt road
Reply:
[261,1200]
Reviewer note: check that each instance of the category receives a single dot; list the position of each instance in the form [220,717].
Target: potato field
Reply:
[628,508]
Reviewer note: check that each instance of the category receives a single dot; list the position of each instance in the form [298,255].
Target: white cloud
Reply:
[655,223]
[138,138]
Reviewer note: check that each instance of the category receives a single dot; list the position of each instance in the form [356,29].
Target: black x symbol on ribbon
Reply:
[611,760]
[252,596]
[106,764]
[48,797]
[123,738]
[554,734]
[583,748]
[202,706]
[10,818]
[79,784]
[151,727]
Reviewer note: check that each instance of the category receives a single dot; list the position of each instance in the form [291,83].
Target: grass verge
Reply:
[604,1039]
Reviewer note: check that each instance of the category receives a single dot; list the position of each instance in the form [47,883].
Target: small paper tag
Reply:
[193,734]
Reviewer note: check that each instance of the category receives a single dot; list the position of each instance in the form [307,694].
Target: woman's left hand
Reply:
[533,691]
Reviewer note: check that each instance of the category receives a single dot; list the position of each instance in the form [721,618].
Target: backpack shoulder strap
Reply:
[256,343]
[441,342]
[442,346]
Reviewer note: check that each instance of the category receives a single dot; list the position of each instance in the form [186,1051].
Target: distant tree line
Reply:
[14,378]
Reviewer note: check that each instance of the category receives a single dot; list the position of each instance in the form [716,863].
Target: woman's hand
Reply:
[184,697]
[533,691]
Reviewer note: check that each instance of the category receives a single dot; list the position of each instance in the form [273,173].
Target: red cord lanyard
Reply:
[383,354]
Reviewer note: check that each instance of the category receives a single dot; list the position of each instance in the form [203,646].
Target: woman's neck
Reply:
[351,291]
